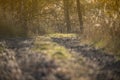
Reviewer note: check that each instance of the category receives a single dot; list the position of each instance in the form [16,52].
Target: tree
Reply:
[79,15]
[67,15]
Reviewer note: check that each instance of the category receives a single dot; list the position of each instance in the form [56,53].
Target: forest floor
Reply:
[55,58]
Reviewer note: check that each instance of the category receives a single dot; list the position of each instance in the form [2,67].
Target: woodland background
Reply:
[97,21]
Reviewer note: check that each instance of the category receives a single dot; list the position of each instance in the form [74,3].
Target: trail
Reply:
[19,62]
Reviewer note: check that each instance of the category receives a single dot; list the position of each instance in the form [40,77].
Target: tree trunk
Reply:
[80,15]
[23,18]
[67,15]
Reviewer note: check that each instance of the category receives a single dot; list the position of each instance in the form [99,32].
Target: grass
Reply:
[107,45]
[60,35]
[45,45]
[101,44]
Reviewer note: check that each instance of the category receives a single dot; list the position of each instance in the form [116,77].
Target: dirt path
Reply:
[18,61]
